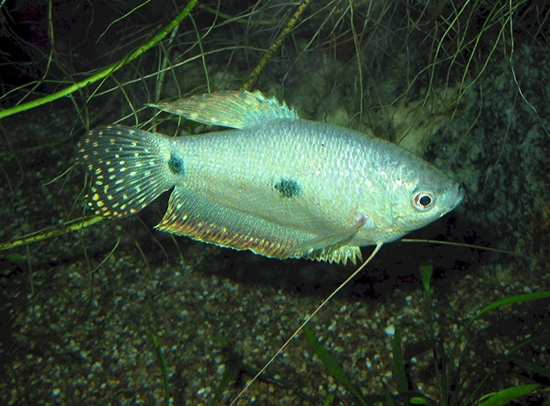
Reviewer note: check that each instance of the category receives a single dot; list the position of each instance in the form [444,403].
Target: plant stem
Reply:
[269,53]
[105,72]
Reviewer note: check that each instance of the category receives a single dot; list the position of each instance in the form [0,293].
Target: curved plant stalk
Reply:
[269,53]
[50,232]
[105,72]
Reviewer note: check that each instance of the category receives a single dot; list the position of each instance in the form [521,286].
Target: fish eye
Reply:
[423,200]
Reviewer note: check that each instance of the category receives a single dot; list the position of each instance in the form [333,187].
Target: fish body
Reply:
[276,184]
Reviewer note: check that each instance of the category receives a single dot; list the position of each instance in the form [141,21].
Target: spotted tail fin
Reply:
[130,168]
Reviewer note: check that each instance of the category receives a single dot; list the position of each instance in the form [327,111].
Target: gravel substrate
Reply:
[83,337]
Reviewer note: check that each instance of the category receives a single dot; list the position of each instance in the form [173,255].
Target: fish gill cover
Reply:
[460,84]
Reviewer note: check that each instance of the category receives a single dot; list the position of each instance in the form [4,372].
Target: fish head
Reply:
[423,198]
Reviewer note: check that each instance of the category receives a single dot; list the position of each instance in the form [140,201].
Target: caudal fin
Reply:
[130,168]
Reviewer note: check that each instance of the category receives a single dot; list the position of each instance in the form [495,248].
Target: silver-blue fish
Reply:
[277,185]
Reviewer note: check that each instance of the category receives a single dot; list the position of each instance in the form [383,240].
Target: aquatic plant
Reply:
[456,384]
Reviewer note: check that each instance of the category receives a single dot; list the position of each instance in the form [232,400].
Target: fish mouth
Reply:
[455,197]
[459,196]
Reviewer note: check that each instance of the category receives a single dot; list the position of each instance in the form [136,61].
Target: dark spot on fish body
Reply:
[176,164]
[288,188]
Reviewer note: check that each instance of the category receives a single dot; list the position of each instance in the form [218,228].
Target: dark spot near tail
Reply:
[288,187]
[176,164]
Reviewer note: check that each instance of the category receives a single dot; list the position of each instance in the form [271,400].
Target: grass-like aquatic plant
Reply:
[163,365]
[454,387]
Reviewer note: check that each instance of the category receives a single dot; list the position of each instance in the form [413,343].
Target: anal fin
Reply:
[203,220]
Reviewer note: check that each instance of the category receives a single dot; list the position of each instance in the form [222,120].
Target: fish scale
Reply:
[276,184]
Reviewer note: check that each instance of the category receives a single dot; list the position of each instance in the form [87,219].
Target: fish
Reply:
[272,183]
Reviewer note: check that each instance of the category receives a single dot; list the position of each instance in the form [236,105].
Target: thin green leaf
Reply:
[530,366]
[220,339]
[330,398]
[388,395]
[510,300]
[418,401]
[231,364]
[332,365]
[418,348]
[531,341]
[426,272]
[499,303]
[163,365]
[398,366]
[507,395]
[17,259]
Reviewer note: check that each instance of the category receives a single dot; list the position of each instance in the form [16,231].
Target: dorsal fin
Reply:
[235,109]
